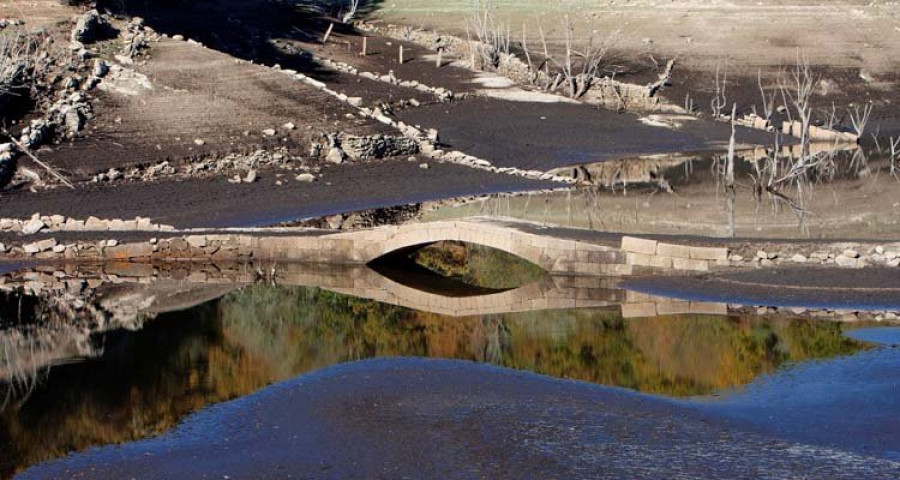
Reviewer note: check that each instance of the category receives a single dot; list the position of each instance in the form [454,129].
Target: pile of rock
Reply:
[232,164]
[90,28]
[377,146]
[839,255]
[842,315]
[69,115]
[59,223]
[135,38]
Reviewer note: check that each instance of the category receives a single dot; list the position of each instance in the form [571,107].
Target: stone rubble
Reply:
[90,27]
[838,254]
[58,223]
[229,165]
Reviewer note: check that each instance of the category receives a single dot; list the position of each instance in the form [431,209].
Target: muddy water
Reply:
[685,195]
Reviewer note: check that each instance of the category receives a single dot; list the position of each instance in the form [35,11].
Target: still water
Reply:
[96,357]
[145,381]
[856,196]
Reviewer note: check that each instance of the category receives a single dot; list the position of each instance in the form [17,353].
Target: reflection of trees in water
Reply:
[144,383]
[147,381]
[294,330]
[39,330]
[668,194]
[478,265]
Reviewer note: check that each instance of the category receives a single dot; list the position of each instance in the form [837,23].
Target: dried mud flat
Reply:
[195,95]
[214,202]
[853,42]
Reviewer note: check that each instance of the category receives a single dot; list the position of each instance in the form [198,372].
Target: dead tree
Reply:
[719,100]
[859,119]
[580,65]
[350,13]
[768,99]
[797,87]
[492,36]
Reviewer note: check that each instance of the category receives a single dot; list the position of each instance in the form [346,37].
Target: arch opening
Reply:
[454,268]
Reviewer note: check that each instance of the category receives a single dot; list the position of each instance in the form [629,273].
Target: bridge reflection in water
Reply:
[156,343]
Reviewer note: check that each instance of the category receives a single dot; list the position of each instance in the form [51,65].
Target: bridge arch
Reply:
[407,237]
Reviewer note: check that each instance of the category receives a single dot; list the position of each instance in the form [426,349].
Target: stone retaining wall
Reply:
[668,256]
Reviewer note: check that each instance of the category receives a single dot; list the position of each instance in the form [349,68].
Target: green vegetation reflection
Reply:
[478,265]
[297,330]
[148,380]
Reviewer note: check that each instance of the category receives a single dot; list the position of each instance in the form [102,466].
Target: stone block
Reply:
[672,307]
[638,259]
[94,223]
[639,310]
[659,261]
[73,225]
[688,264]
[196,241]
[709,308]
[709,253]
[129,251]
[671,250]
[639,245]
[117,225]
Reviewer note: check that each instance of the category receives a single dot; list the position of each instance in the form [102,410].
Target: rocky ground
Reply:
[237,113]
[165,106]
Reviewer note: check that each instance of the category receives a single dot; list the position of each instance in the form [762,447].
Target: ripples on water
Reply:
[94,363]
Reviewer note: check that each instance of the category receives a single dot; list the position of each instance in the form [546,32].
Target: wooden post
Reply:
[328,33]
[365,46]
[401,54]
[439,59]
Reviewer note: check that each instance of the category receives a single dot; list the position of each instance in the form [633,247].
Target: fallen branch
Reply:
[664,78]
[36,160]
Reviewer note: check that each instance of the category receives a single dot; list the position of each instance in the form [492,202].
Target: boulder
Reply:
[101,68]
[335,155]
[845,261]
[33,226]
[90,27]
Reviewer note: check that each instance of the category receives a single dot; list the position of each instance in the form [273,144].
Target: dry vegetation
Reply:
[21,59]
[576,66]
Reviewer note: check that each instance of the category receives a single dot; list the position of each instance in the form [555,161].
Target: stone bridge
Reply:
[542,246]
[558,250]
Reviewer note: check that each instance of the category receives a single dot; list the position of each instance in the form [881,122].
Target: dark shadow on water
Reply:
[400,268]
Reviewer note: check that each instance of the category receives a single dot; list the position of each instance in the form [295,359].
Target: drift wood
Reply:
[38,161]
